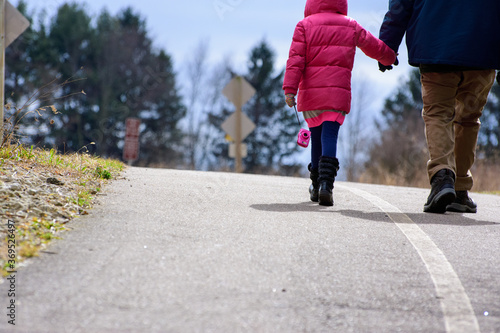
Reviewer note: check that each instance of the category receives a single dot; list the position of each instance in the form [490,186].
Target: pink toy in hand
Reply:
[303,137]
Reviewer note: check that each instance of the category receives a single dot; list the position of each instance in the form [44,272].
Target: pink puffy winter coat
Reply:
[322,56]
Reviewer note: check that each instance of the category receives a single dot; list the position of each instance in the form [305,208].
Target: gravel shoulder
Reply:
[40,200]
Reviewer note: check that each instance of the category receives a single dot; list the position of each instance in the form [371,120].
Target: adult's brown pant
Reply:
[453,104]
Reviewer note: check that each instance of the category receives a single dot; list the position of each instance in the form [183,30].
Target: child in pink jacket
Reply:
[319,67]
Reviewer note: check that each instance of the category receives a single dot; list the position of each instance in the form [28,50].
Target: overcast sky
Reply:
[233,27]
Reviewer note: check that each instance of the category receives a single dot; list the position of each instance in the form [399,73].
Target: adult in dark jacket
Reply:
[456,45]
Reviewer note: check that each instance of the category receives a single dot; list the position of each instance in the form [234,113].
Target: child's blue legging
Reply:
[324,141]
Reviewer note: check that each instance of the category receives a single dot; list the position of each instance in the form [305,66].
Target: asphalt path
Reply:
[185,251]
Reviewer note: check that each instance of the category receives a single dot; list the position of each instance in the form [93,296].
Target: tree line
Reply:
[98,71]
[95,72]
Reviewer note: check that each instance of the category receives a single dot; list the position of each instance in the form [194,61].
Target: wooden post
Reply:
[238,158]
[238,126]
[2,66]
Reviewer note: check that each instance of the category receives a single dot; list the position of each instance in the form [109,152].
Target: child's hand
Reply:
[498,77]
[290,100]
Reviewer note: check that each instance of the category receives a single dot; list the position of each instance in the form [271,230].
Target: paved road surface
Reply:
[184,251]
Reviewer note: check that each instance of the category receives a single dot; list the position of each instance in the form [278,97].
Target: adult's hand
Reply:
[383,68]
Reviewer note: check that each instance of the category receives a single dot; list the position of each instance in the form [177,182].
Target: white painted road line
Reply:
[458,313]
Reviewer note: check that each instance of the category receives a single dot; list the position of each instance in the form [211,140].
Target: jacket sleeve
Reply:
[296,62]
[374,47]
[396,22]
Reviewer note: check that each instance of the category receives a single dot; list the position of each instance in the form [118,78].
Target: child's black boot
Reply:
[328,167]
[313,189]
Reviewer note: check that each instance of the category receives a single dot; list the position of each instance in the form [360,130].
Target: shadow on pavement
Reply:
[298,207]
[451,219]
[457,219]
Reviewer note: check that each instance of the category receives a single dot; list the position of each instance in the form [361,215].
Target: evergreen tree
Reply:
[132,79]
[99,75]
[27,78]
[19,62]
[274,138]
[70,35]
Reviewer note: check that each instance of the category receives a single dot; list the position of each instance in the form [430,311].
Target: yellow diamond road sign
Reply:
[229,125]
[15,23]
[237,87]
[238,91]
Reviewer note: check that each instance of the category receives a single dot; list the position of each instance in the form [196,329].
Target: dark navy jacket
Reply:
[445,32]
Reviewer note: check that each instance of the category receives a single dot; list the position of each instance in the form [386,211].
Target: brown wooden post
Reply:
[238,102]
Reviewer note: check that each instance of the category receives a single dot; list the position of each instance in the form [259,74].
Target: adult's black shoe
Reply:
[442,192]
[462,204]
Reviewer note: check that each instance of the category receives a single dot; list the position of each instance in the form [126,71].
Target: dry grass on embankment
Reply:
[486,176]
[40,191]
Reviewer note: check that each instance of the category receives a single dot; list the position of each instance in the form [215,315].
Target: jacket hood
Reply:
[325,6]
